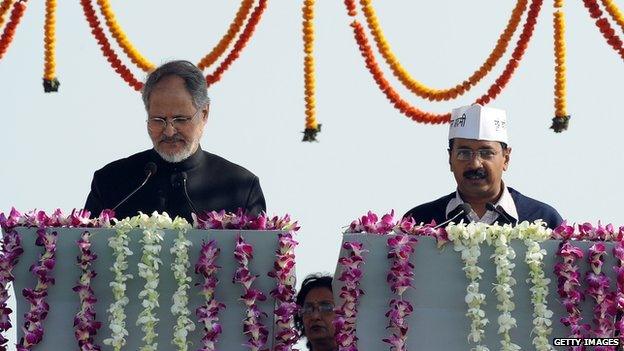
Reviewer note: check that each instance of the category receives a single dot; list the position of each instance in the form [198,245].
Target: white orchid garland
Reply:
[148,269]
[503,254]
[117,315]
[533,234]
[180,266]
[466,239]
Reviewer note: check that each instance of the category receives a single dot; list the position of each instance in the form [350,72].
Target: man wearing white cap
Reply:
[478,156]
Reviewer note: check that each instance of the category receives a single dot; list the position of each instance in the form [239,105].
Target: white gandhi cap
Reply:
[478,122]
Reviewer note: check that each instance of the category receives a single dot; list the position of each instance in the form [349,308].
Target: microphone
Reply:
[501,212]
[463,209]
[179,180]
[150,170]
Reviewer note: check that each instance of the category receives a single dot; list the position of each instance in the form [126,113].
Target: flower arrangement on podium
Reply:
[152,231]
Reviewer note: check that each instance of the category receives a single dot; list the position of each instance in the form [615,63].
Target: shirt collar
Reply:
[506,202]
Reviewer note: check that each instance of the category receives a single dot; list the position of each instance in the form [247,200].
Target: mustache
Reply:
[478,173]
[171,139]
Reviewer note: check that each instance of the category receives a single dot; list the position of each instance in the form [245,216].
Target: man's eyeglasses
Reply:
[467,154]
[158,124]
[322,308]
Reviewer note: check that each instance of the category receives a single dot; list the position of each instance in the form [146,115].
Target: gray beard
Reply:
[180,156]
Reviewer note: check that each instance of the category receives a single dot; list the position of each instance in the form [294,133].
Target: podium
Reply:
[64,303]
[439,320]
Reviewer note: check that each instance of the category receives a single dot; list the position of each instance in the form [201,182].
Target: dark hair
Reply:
[503,145]
[193,77]
[312,281]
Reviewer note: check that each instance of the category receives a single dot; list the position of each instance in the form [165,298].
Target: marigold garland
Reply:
[240,44]
[561,119]
[426,117]
[614,12]
[50,82]
[120,37]
[226,40]
[312,127]
[605,27]
[9,31]
[111,56]
[5,5]
[423,90]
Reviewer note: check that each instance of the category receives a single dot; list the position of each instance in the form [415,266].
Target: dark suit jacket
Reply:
[213,183]
[528,210]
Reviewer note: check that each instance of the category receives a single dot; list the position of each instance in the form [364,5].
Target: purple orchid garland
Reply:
[208,312]
[252,324]
[568,283]
[34,319]
[400,278]
[598,286]
[85,324]
[11,252]
[350,293]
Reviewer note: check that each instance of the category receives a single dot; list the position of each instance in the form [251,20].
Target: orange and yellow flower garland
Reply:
[561,119]
[108,52]
[9,31]
[4,9]
[240,44]
[50,82]
[426,117]
[423,90]
[312,127]
[614,12]
[605,27]
[120,37]
[226,40]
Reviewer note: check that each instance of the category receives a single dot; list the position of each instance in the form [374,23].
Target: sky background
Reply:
[369,156]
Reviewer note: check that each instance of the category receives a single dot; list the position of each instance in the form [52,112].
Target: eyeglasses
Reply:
[467,154]
[321,307]
[158,124]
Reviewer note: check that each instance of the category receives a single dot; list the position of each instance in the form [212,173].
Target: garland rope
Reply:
[614,12]
[419,88]
[9,31]
[50,82]
[312,127]
[5,5]
[561,119]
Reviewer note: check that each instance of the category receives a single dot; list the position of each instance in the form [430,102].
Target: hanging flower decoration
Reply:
[252,324]
[400,278]
[614,12]
[598,289]
[423,90]
[312,127]
[85,324]
[208,312]
[568,283]
[35,317]
[179,266]
[605,27]
[350,292]
[284,292]
[467,240]
[561,119]
[117,315]
[533,235]
[9,31]
[105,47]
[499,237]
[618,253]
[9,257]
[425,117]
[50,82]
[5,6]
[148,269]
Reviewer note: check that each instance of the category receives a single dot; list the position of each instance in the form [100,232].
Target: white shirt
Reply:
[505,201]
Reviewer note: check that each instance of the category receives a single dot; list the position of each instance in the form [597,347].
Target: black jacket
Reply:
[213,183]
[528,210]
